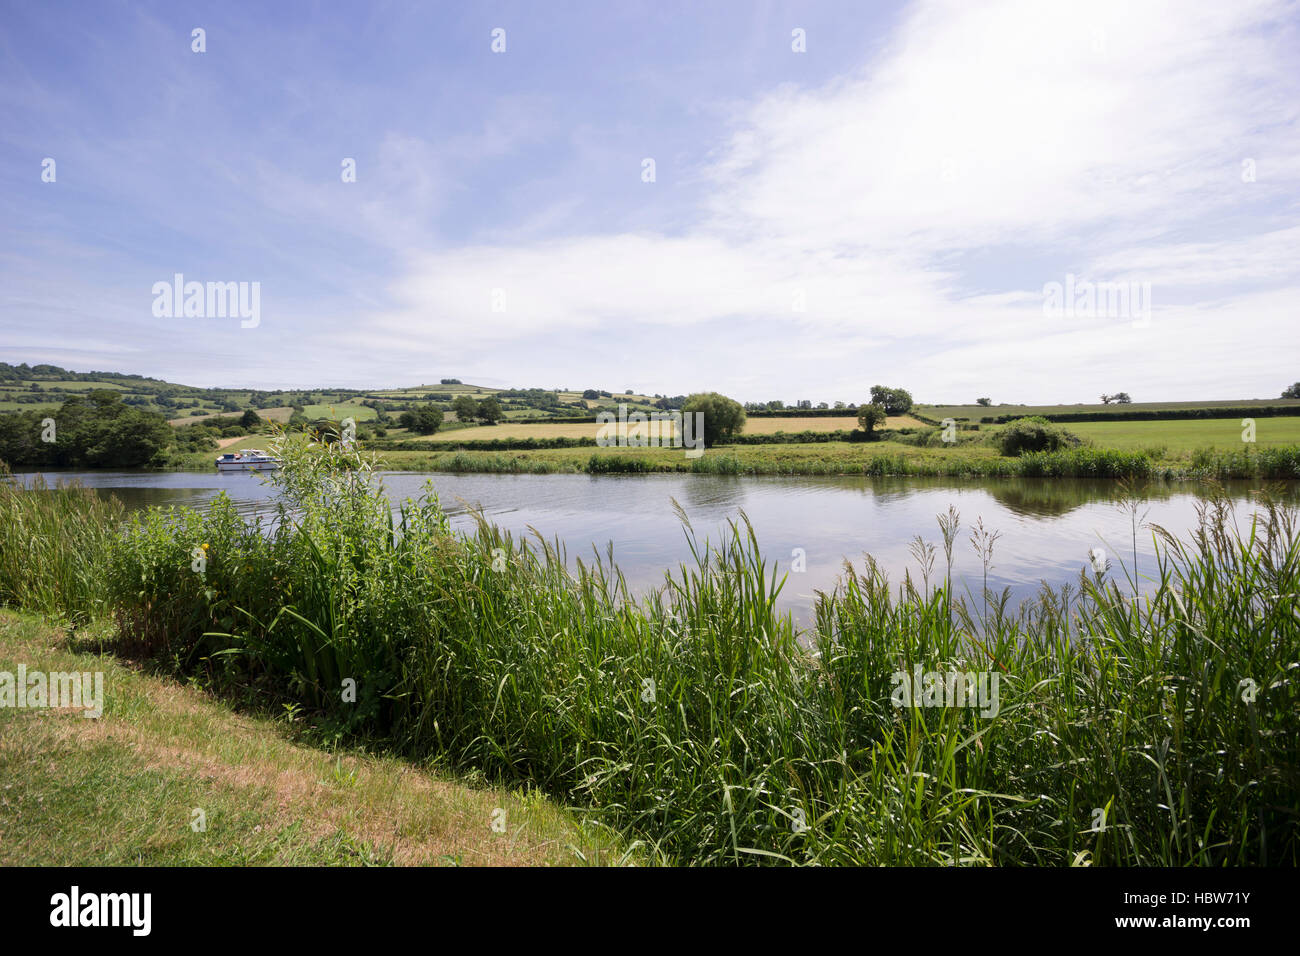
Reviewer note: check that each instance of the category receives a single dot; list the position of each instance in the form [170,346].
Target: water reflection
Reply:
[1047,526]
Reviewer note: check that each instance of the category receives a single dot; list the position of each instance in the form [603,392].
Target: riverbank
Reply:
[1091,725]
[122,789]
[883,459]
[1175,451]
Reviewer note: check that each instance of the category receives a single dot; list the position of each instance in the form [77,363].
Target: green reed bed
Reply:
[53,542]
[965,460]
[701,719]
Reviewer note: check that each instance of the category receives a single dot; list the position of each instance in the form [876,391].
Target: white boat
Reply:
[248,459]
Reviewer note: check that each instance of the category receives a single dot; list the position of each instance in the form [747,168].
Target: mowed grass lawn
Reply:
[1187,435]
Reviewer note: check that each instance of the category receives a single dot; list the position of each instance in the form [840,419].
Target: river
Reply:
[1047,527]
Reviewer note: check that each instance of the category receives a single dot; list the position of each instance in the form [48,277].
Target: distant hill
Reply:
[45,387]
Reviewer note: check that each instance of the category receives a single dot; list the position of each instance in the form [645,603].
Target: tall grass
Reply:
[701,718]
[53,544]
[859,459]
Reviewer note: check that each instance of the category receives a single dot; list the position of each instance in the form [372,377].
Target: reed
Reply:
[53,542]
[1132,730]
[912,458]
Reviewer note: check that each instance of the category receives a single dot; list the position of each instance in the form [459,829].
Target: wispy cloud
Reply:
[893,218]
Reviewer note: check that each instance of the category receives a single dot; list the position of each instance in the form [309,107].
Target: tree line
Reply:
[98,431]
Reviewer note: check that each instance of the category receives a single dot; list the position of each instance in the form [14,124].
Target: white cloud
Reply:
[1106,138]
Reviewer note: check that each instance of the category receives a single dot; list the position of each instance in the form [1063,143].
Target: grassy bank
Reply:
[971,460]
[1178,450]
[1169,411]
[1127,732]
[121,789]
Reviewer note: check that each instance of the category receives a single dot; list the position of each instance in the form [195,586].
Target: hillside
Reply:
[45,387]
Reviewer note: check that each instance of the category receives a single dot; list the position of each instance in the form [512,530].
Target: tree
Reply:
[450,381]
[1105,399]
[101,432]
[466,408]
[489,411]
[986,402]
[425,420]
[1292,392]
[895,401]
[1033,433]
[1122,398]
[870,416]
[723,417]
[250,421]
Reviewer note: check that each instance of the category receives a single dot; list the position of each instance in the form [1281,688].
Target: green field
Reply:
[976,413]
[45,387]
[1188,434]
[361,413]
[1173,446]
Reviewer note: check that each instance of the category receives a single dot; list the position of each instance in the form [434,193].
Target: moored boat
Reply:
[248,459]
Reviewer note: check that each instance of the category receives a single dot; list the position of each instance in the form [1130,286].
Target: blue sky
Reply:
[887,206]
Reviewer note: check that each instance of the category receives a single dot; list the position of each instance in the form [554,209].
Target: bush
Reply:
[1033,434]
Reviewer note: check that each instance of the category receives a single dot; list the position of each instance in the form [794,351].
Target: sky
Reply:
[772,200]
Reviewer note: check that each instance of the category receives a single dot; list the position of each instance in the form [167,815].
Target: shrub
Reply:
[1033,434]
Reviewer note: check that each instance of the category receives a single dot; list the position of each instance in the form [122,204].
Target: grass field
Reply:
[1174,447]
[753,426]
[1187,435]
[121,789]
[360,413]
[280,414]
[974,413]
[770,426]
[245,441]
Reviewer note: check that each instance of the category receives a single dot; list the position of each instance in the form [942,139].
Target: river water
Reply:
[1047,527]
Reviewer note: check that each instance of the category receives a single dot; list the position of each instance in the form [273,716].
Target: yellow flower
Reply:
[205,546]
